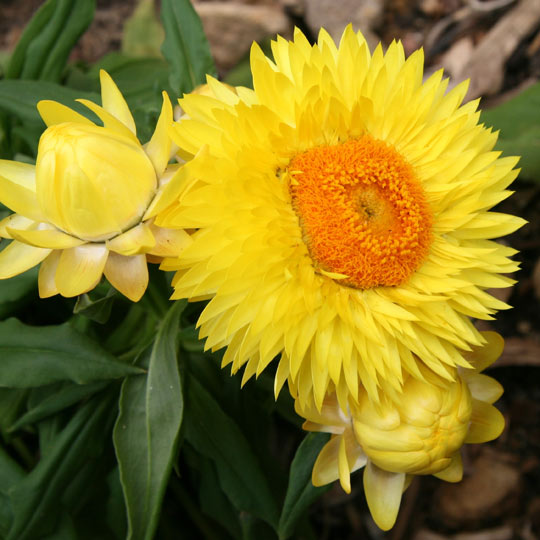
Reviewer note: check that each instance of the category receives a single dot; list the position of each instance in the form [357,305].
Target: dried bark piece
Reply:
[486,65]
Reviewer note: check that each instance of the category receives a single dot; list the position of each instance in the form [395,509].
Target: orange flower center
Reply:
[362,212]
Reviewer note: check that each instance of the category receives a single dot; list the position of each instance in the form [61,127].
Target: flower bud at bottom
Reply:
[420,431]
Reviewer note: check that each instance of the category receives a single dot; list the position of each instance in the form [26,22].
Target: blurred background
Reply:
[495,44]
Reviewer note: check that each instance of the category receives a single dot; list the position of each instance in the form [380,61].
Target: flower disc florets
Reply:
[363,213]
[343,218]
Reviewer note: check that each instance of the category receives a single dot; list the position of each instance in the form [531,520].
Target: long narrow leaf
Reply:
[35,500]
[146,431]
[21,97]
[185,47]
[49,38]
[35,356]
[32,30]
[215,435]
[301,493]
[10,474]
[57,402]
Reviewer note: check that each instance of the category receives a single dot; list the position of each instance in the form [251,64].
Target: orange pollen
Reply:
[362,211]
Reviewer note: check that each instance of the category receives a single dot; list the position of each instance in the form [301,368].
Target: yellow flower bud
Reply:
[89,206]
[420,431]
[91,182]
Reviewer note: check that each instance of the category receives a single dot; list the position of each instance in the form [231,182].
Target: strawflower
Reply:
[417,432]
[87,207]
[342,216]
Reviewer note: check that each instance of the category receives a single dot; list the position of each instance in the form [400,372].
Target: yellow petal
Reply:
[46,238]
[487,423]
[18,189]
[109,121]
[113,101]
[325,469]
[137,240]
[80,269]
[383,494]
[169,242]
[483,357]
[54,113]
[129,275]
[483,388]
[159,147]
[169,190]
[47,273]
[15,221]
[343,466]
[17,258]
[454,472]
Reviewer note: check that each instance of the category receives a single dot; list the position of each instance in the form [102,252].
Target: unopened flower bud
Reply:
[421,432]
[91,182]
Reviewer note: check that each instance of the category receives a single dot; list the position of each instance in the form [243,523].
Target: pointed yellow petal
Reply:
[129,275]
[383,494]
[18,189]
[54,113]
[113,101]
[137,240]
[169,190]
[343,466]
[109,121]
[47,273]
[454,472]
[46,238]
[15,221]
[159,147]
[80,269]
[487,423]
[169,242]
[17,258]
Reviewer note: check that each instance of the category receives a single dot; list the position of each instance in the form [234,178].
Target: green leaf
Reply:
[518,120]
[214,502]
[14,290]
[147,428]
[215,435]
[141,80]
[35,499]
[65,397]
[21,97]
[12,405]
[10,472]
[96,308]
[65,531]
[526,145]
[44,48]
[301,493]
[35,356]
[185,47]
[143,34]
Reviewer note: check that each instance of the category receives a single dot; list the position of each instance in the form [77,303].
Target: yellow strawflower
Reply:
[87,207]
[342,209]
[418,431]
